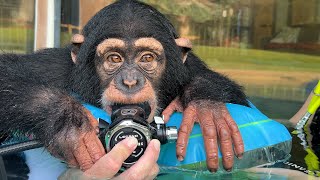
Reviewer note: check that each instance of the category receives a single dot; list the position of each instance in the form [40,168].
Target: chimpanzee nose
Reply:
[130,82]
[130,78]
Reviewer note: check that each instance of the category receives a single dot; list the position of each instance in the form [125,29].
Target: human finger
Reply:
[110,164]
[185,129]
[153,173]
[142,169]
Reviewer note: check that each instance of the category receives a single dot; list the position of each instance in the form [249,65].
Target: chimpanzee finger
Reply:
[72,162]
[210,139]
[175,105]
[235,134]
[92,142]
[224,138]
[167,113]
[189,116]
[93,146]
[62,148]
[99,143]
[93,122]
[82,156]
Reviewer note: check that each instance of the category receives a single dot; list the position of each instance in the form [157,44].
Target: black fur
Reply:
[135,19]
[36,89]
[34,93]
[209,85]
[128,20]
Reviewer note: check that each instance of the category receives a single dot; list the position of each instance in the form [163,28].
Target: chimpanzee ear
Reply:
[185,45]
[76,41]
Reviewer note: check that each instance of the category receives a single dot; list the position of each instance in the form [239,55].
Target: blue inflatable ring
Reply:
[265,141]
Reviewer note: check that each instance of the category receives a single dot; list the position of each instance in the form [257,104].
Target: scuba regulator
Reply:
[131,120]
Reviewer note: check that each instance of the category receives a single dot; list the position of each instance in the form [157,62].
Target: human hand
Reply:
[216,123]
[109,165]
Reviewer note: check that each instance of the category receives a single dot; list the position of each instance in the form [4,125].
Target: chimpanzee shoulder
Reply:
[210,85]
[47,66]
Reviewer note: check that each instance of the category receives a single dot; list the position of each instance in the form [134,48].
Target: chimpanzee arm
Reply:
[203,100]
[209,85]
[31,105]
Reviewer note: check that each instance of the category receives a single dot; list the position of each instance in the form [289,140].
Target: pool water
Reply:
[303,163]
[294,168]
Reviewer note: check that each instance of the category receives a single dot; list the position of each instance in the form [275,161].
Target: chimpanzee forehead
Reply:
[136,27]
[128,18]
[114,43]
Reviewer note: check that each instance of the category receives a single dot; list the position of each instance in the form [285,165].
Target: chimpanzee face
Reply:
[129,53]
[129,71]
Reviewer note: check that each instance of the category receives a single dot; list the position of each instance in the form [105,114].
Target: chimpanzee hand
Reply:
[79,146]
[216,124]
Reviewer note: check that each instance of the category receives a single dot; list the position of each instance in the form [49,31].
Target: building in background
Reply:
[271,47]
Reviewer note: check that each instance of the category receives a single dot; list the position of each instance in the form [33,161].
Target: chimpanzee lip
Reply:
[149,106]
[144,105]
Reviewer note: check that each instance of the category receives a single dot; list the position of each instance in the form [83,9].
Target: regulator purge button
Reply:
[127,132]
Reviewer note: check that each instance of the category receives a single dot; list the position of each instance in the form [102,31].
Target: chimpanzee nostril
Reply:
[130,83]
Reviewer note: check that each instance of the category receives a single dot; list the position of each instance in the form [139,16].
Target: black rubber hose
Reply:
[3,173]
[18,147]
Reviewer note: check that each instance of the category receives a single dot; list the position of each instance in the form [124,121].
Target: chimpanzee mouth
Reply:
[144,105]
[145,101]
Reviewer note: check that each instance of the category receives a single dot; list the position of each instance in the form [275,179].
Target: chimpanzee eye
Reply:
[147,58]
[114,58]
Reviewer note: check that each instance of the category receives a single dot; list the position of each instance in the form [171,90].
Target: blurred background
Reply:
[270,47]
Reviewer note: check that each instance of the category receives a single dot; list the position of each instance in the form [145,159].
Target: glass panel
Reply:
[16,25]
[72,21]
[69,20]
[271,47]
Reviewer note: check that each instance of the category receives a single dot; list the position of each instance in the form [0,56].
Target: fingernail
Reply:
[240,156]
[156,145]
[213,170]
[180,158]
[132,142]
